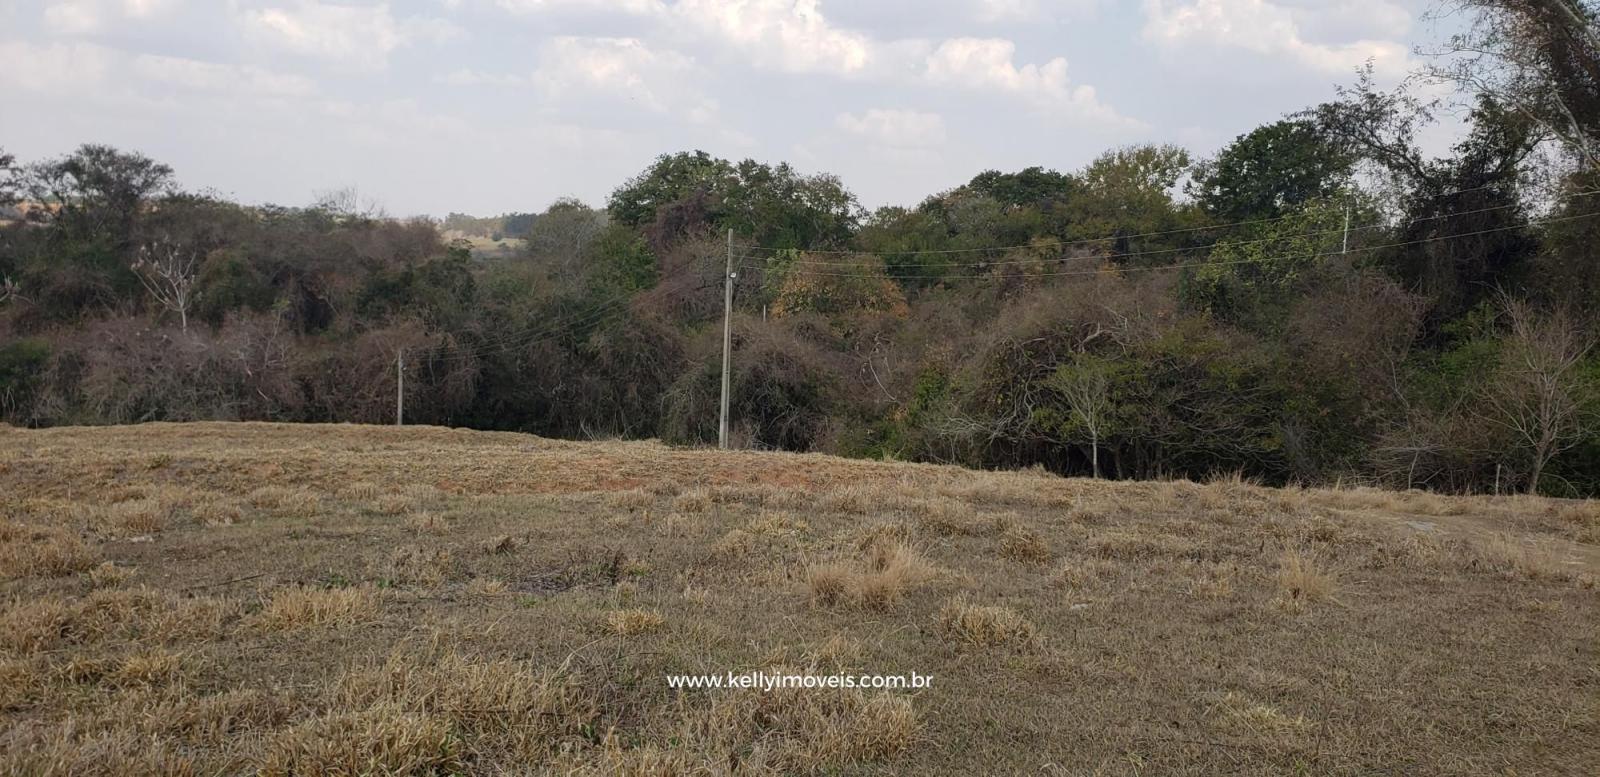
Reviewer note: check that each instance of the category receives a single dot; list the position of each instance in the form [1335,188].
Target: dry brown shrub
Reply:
[415,565]
[851,499]
[360,491]
[109,576]
[501,545]
[734,544]
[21,684]
[68,751]
[632,499]
[633,622]
[795,730]
[891,569]
[383,739]
[1581,521]
[210,719]
[299,607]
[394,504]
[137,614]
[837,652]
[133,517]
[1240,712]
[1123,545]
[428,523]
[511,705]
[1514,559]
[300,501]
[948,517]
[156,667]
[42,551]
[267,497]
[1214,581]
[693,501]
[1303,579]
[966,623]
[215,512]
[1024,545]
[830,583]
[486,586]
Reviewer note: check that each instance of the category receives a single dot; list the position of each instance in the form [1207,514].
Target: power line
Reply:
[1087,240]
[1153,268]
[1161,251]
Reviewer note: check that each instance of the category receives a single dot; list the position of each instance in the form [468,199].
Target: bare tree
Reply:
[168,271]
[1536,393]
[1541,57]
[1086,387]
[9,289]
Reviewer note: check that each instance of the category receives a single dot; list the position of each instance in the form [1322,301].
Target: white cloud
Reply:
[794,36]
[624,68]
[895,128]
[201,76]
[468,77]
[54,68]
[789,35]
[995,11]
[641,7]
[89,72]
[74,16]
[80,17]
[358,36]
[1274,30]
[989,64]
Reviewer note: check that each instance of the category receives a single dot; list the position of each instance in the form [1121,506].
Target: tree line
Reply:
[1319,301]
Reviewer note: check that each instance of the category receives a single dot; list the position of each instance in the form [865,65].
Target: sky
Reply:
[428,107]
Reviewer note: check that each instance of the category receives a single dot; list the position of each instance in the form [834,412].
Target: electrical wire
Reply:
[1177,266]
[1162,251]
[1087,240]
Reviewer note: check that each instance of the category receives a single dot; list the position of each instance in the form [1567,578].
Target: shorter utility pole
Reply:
[727,344]
[399,387]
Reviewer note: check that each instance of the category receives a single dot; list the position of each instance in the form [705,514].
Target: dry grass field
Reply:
[306,600]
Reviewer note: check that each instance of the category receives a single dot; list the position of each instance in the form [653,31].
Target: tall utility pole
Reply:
[727,343]
[1346,248]
[399,387]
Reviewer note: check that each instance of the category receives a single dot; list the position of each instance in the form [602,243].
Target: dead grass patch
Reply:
[1515,559]
[108,575]
[130,518]
[633,622]
[216,512]
[965,623]
[1239,712]
[1303,579]
[890,570]
[631,500]
[299,607]
[394,504]
[383,739]
[42,551]
[1024,545]
[1581,521]
[360,491]
[428,523]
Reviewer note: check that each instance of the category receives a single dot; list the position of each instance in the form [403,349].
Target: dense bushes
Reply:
[1088,322]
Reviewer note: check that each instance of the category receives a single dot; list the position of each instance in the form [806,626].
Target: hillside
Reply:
[294,599]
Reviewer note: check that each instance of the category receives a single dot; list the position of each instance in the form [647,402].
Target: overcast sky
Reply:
[488,106]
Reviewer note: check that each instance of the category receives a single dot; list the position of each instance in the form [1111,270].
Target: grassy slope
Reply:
[293,599]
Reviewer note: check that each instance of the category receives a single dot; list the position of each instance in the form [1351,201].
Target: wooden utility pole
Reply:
[727,344]
[399,387]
